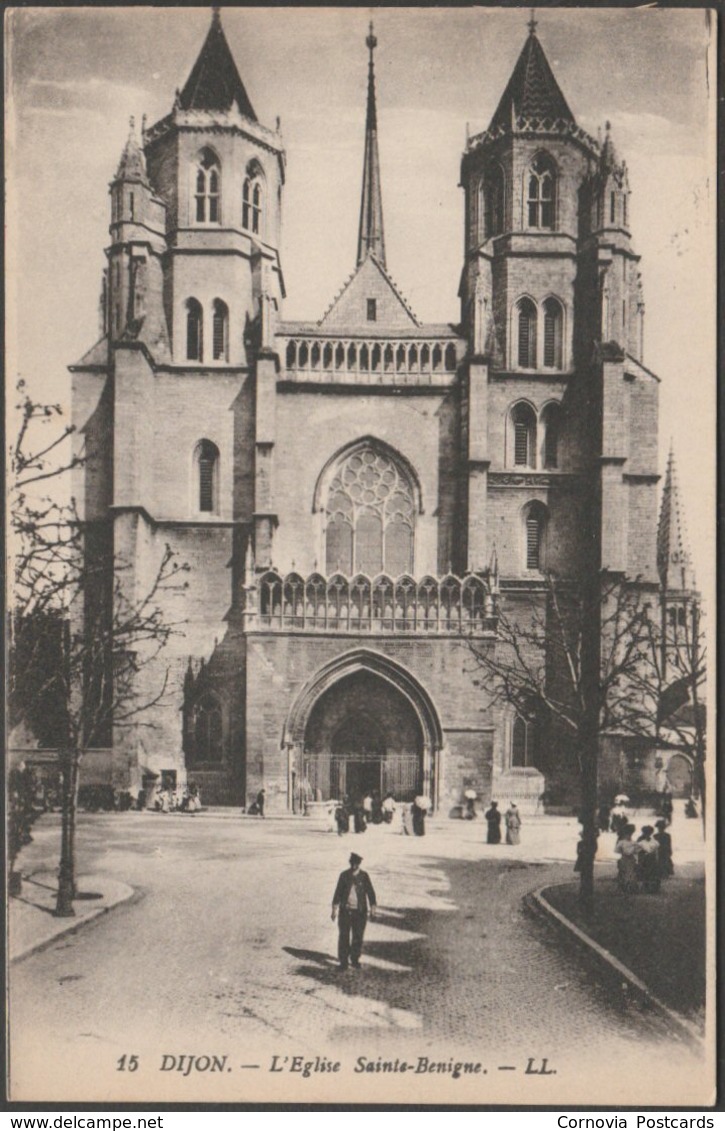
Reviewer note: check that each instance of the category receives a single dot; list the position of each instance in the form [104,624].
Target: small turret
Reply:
[674,560]
[134,281]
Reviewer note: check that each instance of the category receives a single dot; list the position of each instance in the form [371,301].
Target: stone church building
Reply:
[355,496]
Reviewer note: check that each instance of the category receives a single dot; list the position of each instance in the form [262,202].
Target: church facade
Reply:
[355,497]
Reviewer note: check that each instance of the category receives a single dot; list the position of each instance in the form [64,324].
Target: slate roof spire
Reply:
[132,166]
[674,560]
[214,82]
[532,91]
[371,238]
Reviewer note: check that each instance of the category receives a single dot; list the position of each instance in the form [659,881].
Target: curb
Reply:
[536,903]
[71,926]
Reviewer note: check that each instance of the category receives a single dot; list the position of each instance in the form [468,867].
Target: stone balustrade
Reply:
[368,362]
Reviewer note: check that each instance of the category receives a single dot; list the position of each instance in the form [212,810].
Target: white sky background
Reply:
[75,76]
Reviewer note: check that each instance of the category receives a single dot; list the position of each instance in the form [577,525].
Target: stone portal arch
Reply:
[363,722]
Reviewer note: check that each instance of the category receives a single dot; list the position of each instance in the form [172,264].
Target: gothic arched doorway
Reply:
[364,724]
[363,736]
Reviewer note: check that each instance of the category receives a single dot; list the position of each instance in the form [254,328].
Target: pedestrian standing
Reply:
[512,818]
[261,798]
[493,820]
[628,851]
[354,897]
[648,860]
[664,841]
[417,812]
[388,808]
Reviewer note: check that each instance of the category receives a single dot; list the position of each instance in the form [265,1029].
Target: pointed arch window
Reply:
[194,331]
[207,195]
[541,195]
[207,477]
[370,515]
[253,199]
[208,742]
[551,420]
[519,742]
[494,203]
[220,331]
[534,536]
[523,435]
[553,334]
[526,326]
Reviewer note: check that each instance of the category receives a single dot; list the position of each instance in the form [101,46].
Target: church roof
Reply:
[214,82]
[532,90]
[674,560]
[369,279]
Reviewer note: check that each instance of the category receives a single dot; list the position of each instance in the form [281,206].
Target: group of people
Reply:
[644,862]
[511,820]
[359,812]
[176,800]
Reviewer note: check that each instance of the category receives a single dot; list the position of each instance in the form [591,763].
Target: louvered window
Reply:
[612,207]
[552,335]
[206,484]
[534,537]
[521,445]
[527,335]
[220,331]
[207,466]
[194,344]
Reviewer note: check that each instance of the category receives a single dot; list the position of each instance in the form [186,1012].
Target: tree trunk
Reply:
[66,870]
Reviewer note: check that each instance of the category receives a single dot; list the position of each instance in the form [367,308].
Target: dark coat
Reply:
[365,890]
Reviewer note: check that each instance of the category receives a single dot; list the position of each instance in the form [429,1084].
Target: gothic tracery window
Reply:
[207,188]
[370,516]
[253,199]
[541,193]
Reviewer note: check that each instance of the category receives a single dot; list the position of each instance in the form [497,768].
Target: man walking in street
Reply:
[354,896]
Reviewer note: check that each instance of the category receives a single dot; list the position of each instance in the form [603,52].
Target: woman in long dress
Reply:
[493,820]
[513,824]
[628,852]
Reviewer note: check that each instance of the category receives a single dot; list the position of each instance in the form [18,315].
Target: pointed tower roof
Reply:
[214,82]
[674,560]
[132,166]
[371,237]
[532,90]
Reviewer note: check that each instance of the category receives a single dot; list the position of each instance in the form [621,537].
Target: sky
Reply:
[75,75]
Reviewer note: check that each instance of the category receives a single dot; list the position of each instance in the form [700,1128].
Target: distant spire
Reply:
[674,560]
[371,237]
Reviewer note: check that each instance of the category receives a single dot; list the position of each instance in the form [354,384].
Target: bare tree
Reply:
[539,664]
[66,573]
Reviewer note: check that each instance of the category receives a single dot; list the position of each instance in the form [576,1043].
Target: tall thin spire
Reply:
[371,238]
[674,561]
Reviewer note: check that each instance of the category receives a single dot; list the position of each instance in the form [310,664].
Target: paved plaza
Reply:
[225,948]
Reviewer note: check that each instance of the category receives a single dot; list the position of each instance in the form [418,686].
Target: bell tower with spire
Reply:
[221,173]
[551,304]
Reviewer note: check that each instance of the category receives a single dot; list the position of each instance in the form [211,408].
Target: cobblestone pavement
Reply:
[228,950]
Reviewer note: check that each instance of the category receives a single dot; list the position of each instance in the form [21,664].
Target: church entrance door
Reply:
[362,736]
